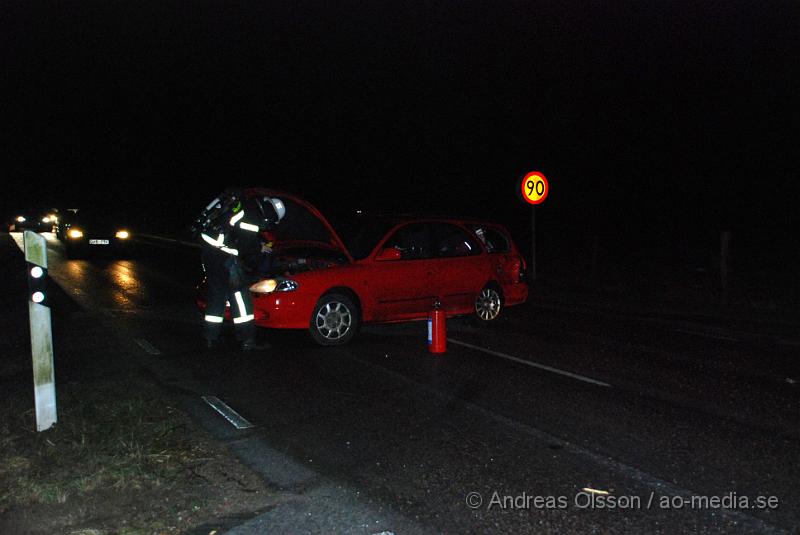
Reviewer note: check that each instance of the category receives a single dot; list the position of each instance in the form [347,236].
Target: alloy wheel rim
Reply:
[487,306]
[334,320]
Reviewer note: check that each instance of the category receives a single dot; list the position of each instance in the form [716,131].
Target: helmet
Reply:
[277,204]
[271,208]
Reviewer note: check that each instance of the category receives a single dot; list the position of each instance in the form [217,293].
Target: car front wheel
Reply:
[488,304]
[335,320]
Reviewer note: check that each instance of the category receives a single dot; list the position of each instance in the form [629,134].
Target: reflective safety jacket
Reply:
[238,237]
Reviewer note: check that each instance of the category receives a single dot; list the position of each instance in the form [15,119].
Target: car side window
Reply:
[494,240]
[414,241]
[454,241]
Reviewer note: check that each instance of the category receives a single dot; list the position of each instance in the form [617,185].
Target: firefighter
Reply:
[230,228]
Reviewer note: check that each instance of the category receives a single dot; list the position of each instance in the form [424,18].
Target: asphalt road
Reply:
[552,420]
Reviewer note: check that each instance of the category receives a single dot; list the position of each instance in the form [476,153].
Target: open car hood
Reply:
[302,224]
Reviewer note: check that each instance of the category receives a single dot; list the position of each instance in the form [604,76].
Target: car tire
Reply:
[335,320]
[488,304]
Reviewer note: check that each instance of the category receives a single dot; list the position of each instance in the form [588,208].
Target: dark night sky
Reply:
[665,114]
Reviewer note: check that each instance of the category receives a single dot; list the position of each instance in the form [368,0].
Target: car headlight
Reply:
[75,233]
[123,234]
[20,219]
[266,286]
[46,219]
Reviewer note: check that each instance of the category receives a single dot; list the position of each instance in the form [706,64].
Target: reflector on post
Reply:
[37,282]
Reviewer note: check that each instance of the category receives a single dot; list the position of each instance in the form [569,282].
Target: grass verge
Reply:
[121,459]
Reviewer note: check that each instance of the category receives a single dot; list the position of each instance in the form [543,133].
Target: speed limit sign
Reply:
[535,188]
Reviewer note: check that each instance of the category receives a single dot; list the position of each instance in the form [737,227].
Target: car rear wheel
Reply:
[488,304]
[335,320]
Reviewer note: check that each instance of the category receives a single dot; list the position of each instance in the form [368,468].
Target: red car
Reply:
[384,270]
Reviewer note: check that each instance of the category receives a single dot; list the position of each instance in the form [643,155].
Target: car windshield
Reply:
[299,224]
[96,219]
[361,234]
[94,215]
[33,214]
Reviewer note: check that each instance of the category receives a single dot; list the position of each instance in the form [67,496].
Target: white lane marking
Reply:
[236,419]
[147,346]
[707,335]
[531,363]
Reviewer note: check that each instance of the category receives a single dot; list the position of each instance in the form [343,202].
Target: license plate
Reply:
[98,242]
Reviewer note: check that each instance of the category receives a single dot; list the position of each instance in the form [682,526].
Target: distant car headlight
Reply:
[123,234]
[46,219]
[267,286]
[20,219]
[75,233]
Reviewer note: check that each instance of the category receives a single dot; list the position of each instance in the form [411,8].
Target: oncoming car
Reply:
[37,220]
[87,230]
[385,270]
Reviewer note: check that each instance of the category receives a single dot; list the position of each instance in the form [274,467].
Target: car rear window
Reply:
[494,239]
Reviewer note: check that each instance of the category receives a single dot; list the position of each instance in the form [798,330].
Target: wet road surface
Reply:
[552,421]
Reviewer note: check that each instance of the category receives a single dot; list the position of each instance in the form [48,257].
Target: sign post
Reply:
[533,243]
[44,383]
[534,191]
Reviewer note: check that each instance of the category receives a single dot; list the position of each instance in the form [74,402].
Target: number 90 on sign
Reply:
[535,188]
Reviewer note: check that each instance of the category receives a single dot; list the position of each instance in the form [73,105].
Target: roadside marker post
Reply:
[44,383]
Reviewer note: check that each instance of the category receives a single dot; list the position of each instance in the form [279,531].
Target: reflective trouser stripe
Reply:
[243,315]
[234,252]
[213,319]
[240,303]
[248,226]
